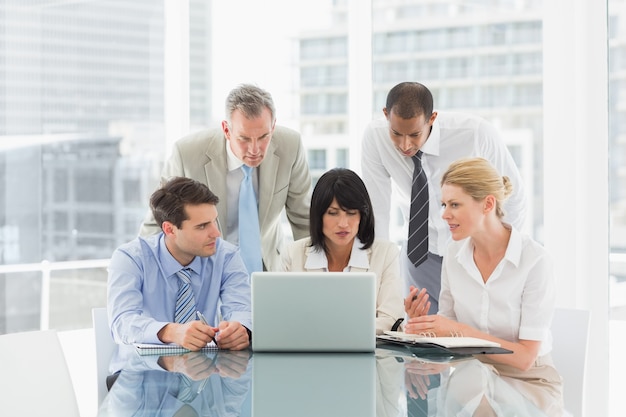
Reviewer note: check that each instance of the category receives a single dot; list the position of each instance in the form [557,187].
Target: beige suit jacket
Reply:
[383,259]
[284,183]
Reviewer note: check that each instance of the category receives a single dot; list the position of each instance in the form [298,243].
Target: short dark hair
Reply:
[168,202]
[349,190]
[409,100]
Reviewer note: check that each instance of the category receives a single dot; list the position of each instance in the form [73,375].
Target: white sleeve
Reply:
[378,182]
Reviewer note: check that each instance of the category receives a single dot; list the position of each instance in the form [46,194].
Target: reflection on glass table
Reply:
[188,385]
[390,382]
[460,385]
[314,384]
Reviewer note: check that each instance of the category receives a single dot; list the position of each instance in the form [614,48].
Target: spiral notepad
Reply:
[168,349]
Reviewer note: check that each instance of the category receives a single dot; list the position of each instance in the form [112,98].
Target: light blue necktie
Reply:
[185,301]
[249,231]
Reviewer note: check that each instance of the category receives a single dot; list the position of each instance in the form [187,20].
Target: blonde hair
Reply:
[478,178]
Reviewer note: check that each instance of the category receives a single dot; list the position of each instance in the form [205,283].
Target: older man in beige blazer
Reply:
[248,136]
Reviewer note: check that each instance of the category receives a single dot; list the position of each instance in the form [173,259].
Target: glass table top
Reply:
[392,381]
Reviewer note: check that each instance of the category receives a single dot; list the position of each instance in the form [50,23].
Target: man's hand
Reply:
[232,364]
[193,335]
[232,335]
[195,365]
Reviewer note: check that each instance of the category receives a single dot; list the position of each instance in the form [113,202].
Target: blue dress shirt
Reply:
[142,288]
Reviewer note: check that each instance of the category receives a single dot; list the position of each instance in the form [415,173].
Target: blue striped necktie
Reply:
[249,230]
[417,245]
[185,301]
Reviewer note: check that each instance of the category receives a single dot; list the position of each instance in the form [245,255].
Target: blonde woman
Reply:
[496,283]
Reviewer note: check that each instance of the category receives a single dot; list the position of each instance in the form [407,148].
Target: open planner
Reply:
[454,344]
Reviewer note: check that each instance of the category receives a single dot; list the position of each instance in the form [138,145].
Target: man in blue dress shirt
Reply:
[144,276]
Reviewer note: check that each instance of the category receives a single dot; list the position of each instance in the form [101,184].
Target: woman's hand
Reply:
[433,324]
[416,304]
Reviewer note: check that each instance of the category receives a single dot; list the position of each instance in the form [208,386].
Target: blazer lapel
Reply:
[216,170]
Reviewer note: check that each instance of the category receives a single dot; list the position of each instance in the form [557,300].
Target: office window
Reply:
[427,69]
[458,67]
[461,37]
[492,35]
[526,32]
[529,63]
[342,158]
[460,97]
[491,96]
[316,159]
[320,76]
[392,71]
[527,94]
[493,65]
[73,73]
[324,48]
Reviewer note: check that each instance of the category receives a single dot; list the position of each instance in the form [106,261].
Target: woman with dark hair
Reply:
[342,239]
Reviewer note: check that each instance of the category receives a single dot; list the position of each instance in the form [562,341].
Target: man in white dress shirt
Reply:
[389,144]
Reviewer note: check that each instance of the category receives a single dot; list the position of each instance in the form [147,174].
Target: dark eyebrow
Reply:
[263,136]
[412,133]
[205,223]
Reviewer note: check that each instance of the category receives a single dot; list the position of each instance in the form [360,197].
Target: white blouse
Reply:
[518,299]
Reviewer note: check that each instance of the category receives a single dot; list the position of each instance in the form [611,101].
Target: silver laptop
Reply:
[313,311]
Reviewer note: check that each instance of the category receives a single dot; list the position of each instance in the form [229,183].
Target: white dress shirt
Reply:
[518,299]
[453,136]
[358,258]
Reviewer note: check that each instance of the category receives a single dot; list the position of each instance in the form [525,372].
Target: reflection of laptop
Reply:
[314,385]
[313,311]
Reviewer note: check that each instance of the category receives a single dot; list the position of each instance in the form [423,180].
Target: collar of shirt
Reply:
[432,145]
[513,252]
[316,259]
[170,265]
[232,161]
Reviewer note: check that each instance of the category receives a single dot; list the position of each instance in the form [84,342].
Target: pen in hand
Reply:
[202,318]
[205,322]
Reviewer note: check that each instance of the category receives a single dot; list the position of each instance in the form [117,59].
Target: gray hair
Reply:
[250,100]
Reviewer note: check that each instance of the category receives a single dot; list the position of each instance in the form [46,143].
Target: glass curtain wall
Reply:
[82,104]
[81,122]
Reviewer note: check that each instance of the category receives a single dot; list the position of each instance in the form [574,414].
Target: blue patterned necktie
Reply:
[249,231]
[185,301]
[417,245]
